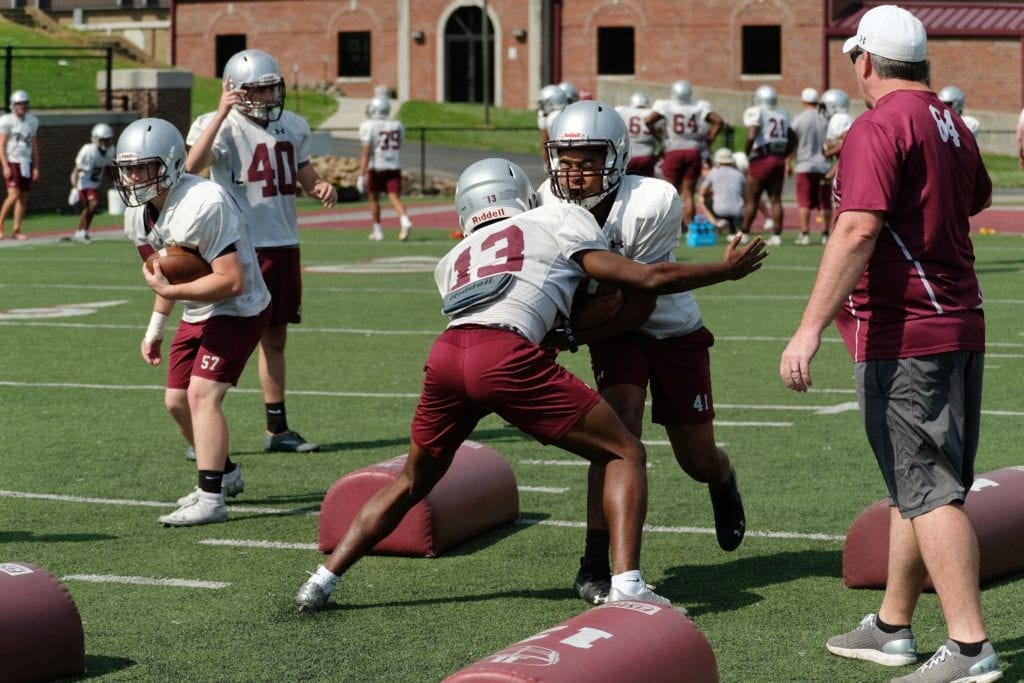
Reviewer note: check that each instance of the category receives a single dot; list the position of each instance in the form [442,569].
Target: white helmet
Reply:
[101,132]
[552,98]
[491,190]
[834,101]
[765,96]
[953,97]
[588,124]
[569,88]
[249,70]
[681,92]
[639,100]
[153,145]
[18,97]
[378,108]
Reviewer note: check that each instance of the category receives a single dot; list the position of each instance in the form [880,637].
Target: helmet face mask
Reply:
[491,190]
[149,161]
[256,74]
[590,126]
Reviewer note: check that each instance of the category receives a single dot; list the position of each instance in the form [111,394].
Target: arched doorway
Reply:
[464,56]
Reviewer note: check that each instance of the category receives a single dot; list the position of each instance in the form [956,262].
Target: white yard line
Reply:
[146,581]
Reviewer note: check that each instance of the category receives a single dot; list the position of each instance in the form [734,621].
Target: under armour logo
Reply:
[279,131]
[616,244]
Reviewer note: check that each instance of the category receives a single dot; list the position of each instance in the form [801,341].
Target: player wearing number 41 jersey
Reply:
[259,153]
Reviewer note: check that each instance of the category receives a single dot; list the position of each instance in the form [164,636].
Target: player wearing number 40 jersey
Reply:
[259,153]
[503,287]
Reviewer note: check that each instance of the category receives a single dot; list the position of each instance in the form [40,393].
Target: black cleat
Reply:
[730,521]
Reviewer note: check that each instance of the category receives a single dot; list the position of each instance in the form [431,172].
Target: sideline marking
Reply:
[146,581]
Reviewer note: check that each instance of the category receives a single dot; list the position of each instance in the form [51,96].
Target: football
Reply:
[594,304]
[179,264]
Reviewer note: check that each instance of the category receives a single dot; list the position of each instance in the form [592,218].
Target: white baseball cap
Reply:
[723,156]
[892,32]
[809,95]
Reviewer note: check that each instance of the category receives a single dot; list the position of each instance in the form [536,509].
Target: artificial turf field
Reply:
[89,459]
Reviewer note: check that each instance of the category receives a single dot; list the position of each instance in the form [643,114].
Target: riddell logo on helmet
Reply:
[488,215]
[573,134]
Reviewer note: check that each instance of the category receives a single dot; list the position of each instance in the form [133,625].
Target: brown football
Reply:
[179,264]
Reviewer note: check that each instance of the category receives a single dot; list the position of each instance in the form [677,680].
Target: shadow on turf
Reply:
[488,436]
[98,665]
[29,537]
[725,587]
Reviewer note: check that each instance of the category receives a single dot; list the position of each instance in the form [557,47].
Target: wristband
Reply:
[155,331]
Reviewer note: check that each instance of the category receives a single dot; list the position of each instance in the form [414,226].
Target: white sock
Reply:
[406,223]
[213,497]
[377,230]
[629,582]
[324,578]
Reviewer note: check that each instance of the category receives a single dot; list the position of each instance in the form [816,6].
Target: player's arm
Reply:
[652,125]
[150,347]
[315,186]
[3,155]
[668,277]
[715,124]
[636,309]
[200,155]
[226,280]
[791,145]
[35,157]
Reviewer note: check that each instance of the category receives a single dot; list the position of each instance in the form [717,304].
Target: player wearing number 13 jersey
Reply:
[259,153]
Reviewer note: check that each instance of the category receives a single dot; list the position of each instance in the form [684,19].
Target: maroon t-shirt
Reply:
[912,158]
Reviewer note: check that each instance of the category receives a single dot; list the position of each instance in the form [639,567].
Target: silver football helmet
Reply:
[150,159]
[18,97]
[588,124]
[102,135]
[250,70]
[552,98]
[953,97]
[765,96]
[571,94]
[491,190]
[639,100]
[834,101]
[378,108]
[681,92]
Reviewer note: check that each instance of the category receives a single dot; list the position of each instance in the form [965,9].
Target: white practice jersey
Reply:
[385,137]
[199,214]
[644,225]
[838,124]
[19,133]
[544,121]
[536,247]
[92,162]
[686,125]
[642,142]
[973,124]
[259,168]
[772,130]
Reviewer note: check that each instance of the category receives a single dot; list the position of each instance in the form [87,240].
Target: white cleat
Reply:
[199,510]
[232,485]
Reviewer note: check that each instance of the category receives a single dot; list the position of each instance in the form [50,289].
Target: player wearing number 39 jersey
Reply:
[259,153]
[503,287]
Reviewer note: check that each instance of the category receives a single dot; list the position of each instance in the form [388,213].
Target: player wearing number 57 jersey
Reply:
[259,153]
[503,287]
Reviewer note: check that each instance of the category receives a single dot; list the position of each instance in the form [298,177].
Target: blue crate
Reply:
[701,232]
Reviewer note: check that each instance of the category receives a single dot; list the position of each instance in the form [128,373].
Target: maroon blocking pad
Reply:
[618,641]
[995,507]
[41,636]
[476,495]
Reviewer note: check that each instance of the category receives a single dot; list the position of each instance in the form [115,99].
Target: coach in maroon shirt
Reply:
[897,276]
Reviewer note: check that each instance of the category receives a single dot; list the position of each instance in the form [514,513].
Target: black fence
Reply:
[69,72]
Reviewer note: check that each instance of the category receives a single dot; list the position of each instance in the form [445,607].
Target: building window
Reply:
[226,46]
[615,51]
[354,54]
[762,50]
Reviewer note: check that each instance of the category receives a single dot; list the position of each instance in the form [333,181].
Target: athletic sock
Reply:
[325,578]
[277,422]
[230,466]
[210,481]
[405,222]
[969,649]
[377,230]
[629,582]
[888,628]
[595,552]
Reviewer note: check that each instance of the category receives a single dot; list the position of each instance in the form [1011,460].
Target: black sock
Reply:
[229,466]
[969,649]
[276,420]
[595,553]
[210,481]
[887,628]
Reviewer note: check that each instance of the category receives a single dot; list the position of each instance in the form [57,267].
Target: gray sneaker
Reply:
[311,597]
[947,665]
[232,485]
[870,643]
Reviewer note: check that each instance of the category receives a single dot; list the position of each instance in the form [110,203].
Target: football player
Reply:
[688,131]
[808,161]
[669,351]
[92,165]
[643,145]
[259,153]
[770,139]
[380,165]
[835,105]
[503,288]
[550,101]
[953,97]
[225,313]
[19,156]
